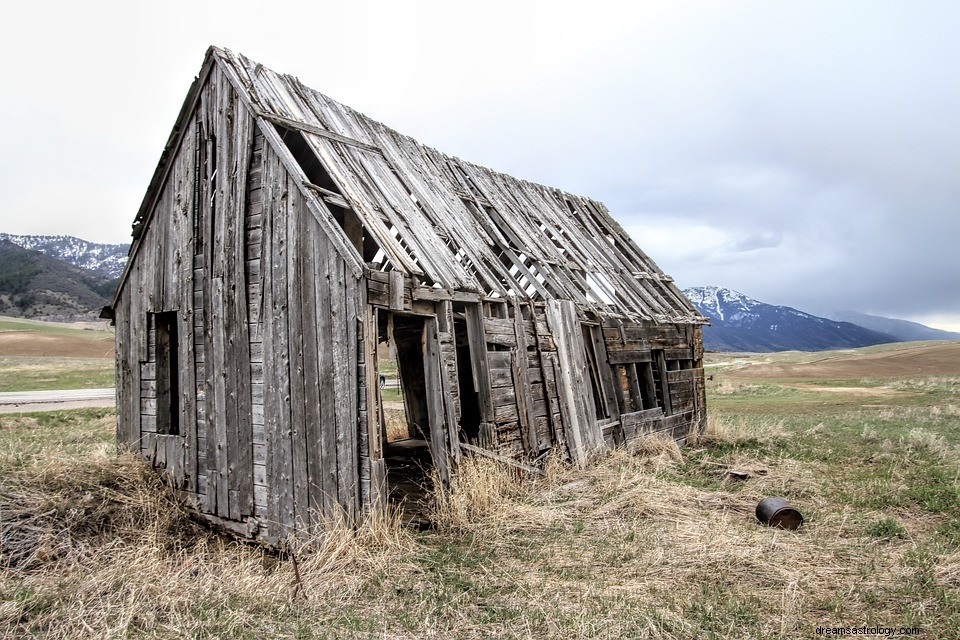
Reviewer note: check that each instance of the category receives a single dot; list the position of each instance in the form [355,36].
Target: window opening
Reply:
[469,399]
[599,403]
[599,286]
[332,195]
[167,372]
[658,378]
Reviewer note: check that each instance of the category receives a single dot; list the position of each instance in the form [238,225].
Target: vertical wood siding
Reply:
[267,320]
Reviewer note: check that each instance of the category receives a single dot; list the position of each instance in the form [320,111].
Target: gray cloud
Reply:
[806,154]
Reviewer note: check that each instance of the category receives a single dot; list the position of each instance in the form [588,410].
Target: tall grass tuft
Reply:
[723,429]
[478,489]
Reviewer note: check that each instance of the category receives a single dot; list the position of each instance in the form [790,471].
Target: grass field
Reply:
[27,373]
[658,542]
[37,355]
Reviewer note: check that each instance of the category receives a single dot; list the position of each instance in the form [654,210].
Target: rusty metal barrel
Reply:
[777,512]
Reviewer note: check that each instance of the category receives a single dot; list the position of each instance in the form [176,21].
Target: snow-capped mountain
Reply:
[104,259]
[740,323]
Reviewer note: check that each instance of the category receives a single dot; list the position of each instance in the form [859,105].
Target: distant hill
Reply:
[902,329]
[740,323]
[35,285]
[106,260]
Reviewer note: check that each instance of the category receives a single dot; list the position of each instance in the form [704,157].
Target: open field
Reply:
[660,542]
[35,338]
[38,355]
[894,359]
[25,373]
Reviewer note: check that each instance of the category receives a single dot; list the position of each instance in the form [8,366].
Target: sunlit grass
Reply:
[29,373]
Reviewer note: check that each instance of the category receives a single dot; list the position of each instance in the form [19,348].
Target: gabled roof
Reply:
[449,223]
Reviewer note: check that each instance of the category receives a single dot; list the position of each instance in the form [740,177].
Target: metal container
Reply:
[777,512]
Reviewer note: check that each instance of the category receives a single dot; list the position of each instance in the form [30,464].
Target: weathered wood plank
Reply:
[434,393]
[504,459]
[574,392]
[297,318]
[326,478]
[479,355]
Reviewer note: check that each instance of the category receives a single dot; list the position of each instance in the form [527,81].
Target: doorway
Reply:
[408,420]
[469,401]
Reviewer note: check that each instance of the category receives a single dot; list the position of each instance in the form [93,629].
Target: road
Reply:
[26,401]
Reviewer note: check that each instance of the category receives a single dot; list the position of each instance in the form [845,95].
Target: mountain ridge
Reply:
[105,259]
[902,329]
[36,285]
[741,323]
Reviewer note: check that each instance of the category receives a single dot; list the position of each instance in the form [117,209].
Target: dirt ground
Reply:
[923,359]
[35,343]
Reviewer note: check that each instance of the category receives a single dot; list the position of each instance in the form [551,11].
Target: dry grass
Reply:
[480,489]
[651,542]
[626,531]
[724,429]
[97,546]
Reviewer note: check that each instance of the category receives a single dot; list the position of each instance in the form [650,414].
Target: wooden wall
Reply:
[278,415]
[533,362]
[268,327]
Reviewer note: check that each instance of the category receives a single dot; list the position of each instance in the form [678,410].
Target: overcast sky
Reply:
[803,153]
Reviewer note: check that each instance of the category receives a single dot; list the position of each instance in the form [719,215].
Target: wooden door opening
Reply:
[469,402]
[406,411]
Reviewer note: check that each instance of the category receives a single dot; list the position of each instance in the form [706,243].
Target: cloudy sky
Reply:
[804,153]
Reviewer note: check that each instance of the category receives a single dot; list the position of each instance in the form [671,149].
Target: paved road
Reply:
[24,401]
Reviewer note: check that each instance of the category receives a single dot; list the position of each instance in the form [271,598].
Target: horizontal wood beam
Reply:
[328,196]
[315,130]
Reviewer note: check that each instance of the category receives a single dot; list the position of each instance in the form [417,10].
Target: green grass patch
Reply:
[95,331]
[28,373]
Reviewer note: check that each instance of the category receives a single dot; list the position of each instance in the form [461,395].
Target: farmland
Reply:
[38,355]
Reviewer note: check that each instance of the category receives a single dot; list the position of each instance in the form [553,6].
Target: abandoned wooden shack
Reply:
[285,239]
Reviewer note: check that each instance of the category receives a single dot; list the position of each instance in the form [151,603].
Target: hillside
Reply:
[34,285]
[740,323]
[888,360]
[901,329]
[106,260]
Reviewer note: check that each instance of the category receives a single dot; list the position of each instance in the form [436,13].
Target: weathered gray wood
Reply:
[478,353]
[240,470]
[326,291]
[378,486]
[434,393]
[574,392]
[645,372]
[524,393]
[275,350]
[304,126]
[280,410]
[396,291]
[354,298]
[315,399]
[344,375]
[449,380]
[297,317]
[664,387]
